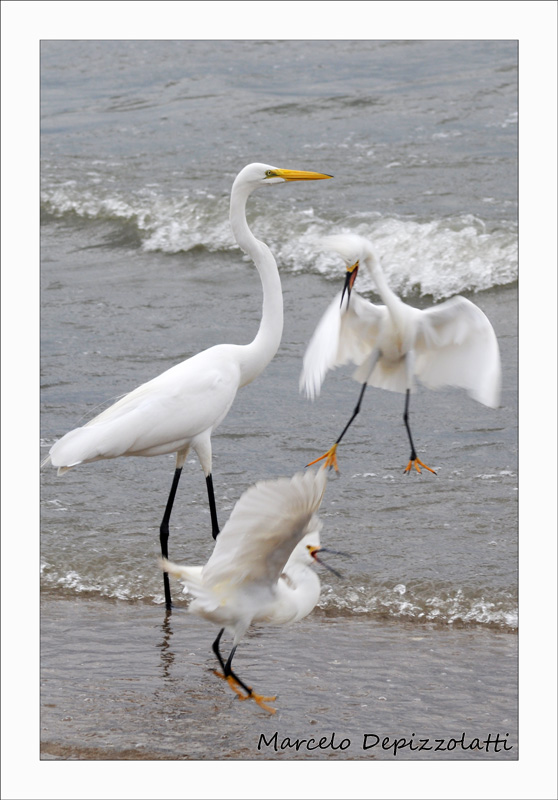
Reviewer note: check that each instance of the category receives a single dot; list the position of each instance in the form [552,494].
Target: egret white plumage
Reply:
[181,408]
[449,344]
[260,570]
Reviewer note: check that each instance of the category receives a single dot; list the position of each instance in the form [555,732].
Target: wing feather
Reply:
[343,335]
[265,526]
[456,346]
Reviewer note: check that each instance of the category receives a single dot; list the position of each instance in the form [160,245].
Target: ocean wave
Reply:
[72,583]
[444,605]
[437,258]
[419,603]
[166,224]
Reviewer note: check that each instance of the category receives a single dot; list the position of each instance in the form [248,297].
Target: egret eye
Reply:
[269,173]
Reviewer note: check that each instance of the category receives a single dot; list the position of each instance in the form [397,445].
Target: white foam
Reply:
[439,257]
[443,605]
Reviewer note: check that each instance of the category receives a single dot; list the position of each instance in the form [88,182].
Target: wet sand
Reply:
[120,681]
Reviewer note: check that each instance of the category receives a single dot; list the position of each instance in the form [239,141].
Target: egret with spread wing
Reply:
[181,408]
[260,570]
[450,344]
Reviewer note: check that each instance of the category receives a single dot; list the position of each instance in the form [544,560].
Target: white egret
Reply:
[450,344]
[260,570]
[181,408]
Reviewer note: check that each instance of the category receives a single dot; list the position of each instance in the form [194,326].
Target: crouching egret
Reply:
[260,570]
[181,408]
[450,344]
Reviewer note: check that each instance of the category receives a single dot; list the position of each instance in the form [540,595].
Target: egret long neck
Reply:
[257,355]
[388,296]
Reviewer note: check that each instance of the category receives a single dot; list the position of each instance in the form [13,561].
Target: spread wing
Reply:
[456,346]
[265,526]
[343,335]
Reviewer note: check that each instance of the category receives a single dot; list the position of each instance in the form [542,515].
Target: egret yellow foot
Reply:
[261,702]
[415,462]
[330,457]
[235,686]
[258,698]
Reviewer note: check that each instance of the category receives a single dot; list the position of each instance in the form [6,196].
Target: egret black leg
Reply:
[164,533]
[355,412]
[406,421]
[227,667]
[331,455]
[215,647]
[414,460]
[212,506]
[228,671]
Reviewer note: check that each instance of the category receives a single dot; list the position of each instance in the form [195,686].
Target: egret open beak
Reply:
[314,553]
[350,278]
[298,175]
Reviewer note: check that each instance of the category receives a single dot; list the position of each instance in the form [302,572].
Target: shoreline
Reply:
[157,697]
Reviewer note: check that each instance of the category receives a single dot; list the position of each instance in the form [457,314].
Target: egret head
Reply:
[255,175]
[354,250]
[313,552]
[350,246]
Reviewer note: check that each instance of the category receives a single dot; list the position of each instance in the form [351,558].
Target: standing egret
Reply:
[260,570]
[450,344]
[182,407]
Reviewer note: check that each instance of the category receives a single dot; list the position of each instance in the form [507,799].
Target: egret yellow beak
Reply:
[298,175]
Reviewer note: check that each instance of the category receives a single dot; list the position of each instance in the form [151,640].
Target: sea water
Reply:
[140,144]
